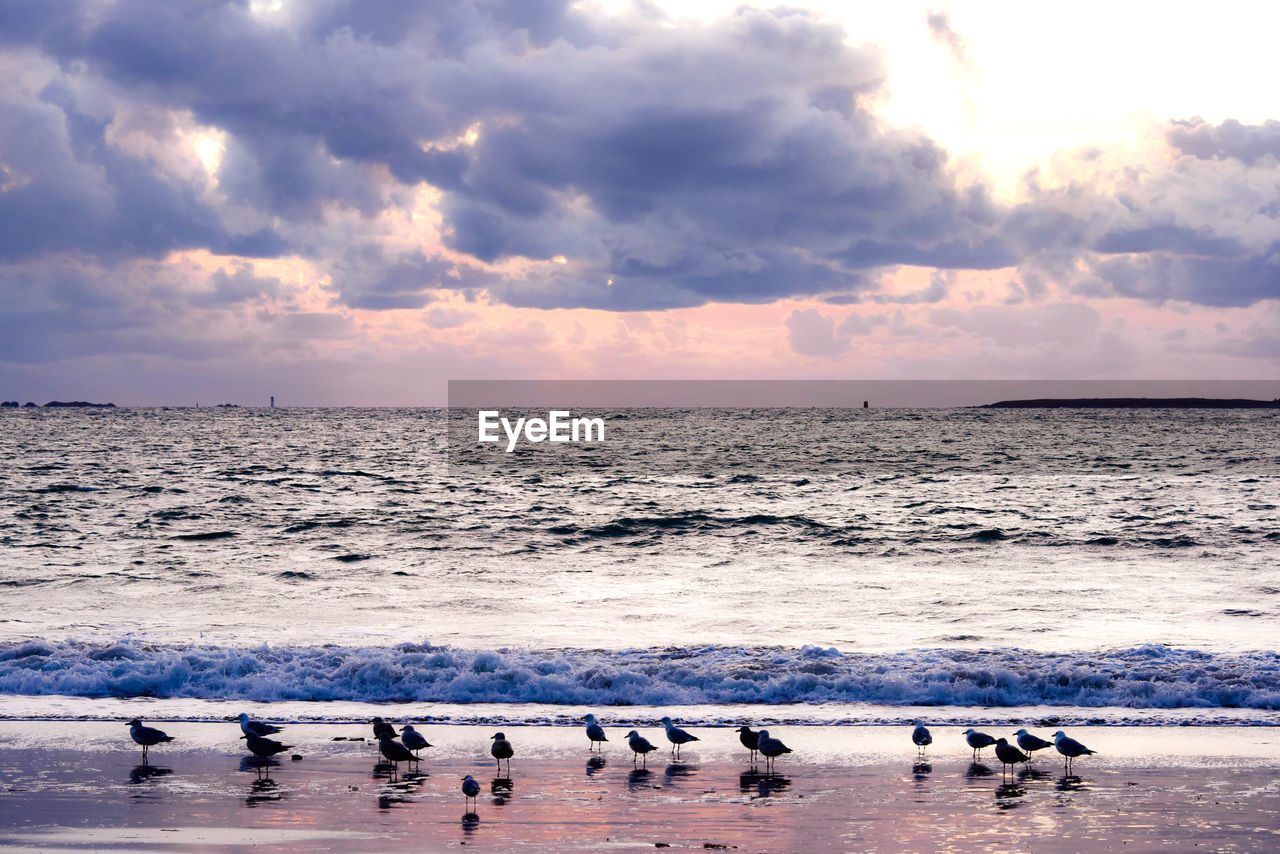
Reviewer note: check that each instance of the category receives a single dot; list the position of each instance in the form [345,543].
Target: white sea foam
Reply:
[1146,677]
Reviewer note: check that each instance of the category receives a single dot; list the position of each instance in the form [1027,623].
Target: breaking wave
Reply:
[1144,677]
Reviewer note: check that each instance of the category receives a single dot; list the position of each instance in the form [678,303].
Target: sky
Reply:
[341,202]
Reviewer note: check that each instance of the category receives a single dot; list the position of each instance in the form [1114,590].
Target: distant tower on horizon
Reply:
[866,404]
[273,401]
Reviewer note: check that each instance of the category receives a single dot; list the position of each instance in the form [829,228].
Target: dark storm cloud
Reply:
[672,166]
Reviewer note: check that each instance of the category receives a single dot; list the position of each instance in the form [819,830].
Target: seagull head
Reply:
[1022,731]
[764,733]
[970,731]
[1002,741]
[497,735]
[243,718]
[134,722]
[590,719]
[743,729]
[1059,734]
[633,734]
[666,721]
[918,723]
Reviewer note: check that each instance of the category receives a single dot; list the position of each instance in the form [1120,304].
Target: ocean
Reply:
[860,566]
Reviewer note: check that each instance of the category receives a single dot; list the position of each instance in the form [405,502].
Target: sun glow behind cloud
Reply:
[559,196]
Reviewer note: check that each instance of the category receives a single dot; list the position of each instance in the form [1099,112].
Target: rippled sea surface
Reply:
[897,556]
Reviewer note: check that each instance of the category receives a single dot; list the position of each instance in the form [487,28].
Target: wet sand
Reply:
[80,786]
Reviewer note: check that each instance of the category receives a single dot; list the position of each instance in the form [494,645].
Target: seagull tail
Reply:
[170,738]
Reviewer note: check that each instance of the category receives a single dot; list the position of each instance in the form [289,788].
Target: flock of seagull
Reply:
[1008,755]
[257,736]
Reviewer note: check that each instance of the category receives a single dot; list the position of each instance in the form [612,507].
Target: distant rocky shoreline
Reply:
[56,404]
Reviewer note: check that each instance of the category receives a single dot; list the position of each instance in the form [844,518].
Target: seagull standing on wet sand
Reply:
[1031,743]
[394,751]
[1008,754]
[921,737]
[1070,748]
[595,732]
[500,750]
[380,726]
[677,737]
[640,746]
[263,747]
[250,727]
[772,748]
[470,790]
[750,740]
[977,740]
[413,739]
[146,736]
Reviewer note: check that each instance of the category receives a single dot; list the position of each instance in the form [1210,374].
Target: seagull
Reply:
[677,736]
[640,746]
[470,789]
[501,750]
[413,739]
[1031,743]
[772,748]
[394,750]
[595,732]
[1008,754]
[263,747]
[249,727]
[146,736]
[921,737]
[1068,747]
[750,740]
[380,726]
[977,740]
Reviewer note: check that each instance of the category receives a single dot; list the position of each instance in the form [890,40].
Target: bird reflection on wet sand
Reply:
[977,769]
[1071,783]
[1007,795]
[921,770]
[263,791]
[764,785]
[502,789]
[142,773]
[594,764]
[638,778]
[399,791]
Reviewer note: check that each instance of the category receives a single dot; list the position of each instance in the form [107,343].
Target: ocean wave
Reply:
[1145,677]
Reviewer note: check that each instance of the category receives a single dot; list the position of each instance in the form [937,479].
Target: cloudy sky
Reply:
[353,201]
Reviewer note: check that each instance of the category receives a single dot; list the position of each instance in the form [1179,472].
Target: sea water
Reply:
[861,564]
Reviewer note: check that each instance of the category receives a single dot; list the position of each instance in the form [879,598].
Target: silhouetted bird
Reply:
[772,748]
[595,732]
[380,726]
[1070,748]
[470,789]
[921,737]
[249,727]
[977,740]
[677,736]
[750,740]
[1008,754]
[413,739]
[146,736]
[1031,743]
[501,749]
[640,746]
[394,750]
[263,747]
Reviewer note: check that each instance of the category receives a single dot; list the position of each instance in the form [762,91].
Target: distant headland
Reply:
[1134,403]
[55,404]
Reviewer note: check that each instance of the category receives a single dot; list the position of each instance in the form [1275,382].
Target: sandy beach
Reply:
[80,786]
